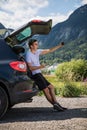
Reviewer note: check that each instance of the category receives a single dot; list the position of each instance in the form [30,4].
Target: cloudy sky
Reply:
[14,13]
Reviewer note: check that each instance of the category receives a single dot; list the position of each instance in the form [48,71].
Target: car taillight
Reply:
[36,21]
[19,66]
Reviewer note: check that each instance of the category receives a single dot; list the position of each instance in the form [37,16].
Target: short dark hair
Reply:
[31,41]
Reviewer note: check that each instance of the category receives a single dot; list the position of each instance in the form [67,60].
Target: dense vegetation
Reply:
[73,32]
[73,50]
[70,79]
[75,70]
[67,89]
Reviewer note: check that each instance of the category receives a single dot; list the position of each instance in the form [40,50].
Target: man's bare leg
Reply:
[52,93]
[48,96]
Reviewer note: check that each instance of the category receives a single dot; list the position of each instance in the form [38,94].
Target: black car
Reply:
[15,85]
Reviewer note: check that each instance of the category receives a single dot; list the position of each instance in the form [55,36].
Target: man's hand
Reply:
[42,66]
[62,43]
[46,51]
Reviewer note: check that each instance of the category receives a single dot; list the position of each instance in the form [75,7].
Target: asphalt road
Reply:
[39,115]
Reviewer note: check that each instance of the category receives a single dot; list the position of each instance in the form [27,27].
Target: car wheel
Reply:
[3,102]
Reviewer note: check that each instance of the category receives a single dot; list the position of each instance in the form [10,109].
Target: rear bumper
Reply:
[24,96]
[20,89]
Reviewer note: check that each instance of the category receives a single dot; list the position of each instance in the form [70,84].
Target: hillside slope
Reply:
[73,32]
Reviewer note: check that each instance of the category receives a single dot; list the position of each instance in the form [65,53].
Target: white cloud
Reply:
[56,18]
[84,1]
[16,13]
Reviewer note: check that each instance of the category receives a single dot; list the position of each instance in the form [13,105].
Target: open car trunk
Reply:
[28,30]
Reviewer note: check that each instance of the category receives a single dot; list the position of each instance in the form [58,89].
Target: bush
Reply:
[75,70]
[40,93]
[67,89]
[70,90]
[83,88]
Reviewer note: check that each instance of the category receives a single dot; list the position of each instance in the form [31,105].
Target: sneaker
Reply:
[64,108]
[57,107]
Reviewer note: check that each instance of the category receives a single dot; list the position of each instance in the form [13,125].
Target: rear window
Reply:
[24,34]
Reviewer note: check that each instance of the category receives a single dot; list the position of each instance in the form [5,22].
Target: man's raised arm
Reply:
[46,51]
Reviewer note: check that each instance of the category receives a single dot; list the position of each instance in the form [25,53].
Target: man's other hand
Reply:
[62,43]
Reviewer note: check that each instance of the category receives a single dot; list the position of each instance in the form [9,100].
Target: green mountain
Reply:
[4,31]
[73,32]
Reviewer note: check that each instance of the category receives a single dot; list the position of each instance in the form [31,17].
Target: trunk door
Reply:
[28,30]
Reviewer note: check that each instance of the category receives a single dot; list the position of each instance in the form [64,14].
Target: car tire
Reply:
[3,102]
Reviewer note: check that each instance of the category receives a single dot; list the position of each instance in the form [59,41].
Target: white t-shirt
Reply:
[33,58]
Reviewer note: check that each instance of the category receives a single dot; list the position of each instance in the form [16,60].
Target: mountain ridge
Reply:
[74,27]
[73,32]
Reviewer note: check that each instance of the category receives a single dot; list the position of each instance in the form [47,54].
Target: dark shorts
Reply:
[40,81]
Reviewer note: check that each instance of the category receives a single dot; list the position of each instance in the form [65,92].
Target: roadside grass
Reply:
[67,89]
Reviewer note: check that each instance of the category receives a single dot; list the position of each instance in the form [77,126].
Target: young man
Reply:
[32,58]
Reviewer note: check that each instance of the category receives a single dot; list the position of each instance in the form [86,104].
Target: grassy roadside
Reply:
[67,89]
